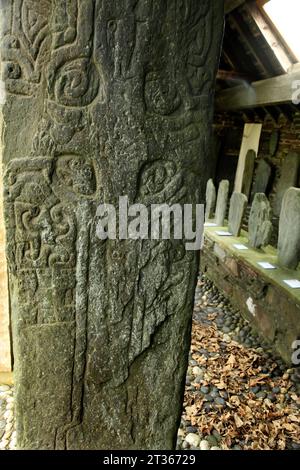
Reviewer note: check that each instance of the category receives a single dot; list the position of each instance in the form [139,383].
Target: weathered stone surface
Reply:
[260,222]
[289,230]
[222,201]
[262,177]
[248,172]
[210,200]
[273,143]
[103,99]
[288,179]
[238,204]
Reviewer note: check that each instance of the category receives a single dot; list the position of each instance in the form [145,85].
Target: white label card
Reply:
[293,283]
[210,224]
[266,265]
[221,233]
[240,247]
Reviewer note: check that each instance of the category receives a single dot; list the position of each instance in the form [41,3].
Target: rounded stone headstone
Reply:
[289,230]
[210,200]
[222,201]
[260,226]
[262,177]
[273,143]
[288,179]
[248,172]
[238,204]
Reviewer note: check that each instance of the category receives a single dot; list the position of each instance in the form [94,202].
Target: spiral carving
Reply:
[77,83]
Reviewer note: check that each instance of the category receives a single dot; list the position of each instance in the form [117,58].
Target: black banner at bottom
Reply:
[138,459]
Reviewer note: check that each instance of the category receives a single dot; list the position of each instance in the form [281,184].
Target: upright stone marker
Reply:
[210,200]
[262,177]
[222,201]
[248,172]
[260,222]
[288,179]
[274,142]
[238,205]
[289,230]
[103,99]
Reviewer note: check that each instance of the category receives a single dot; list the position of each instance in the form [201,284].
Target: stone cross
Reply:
[222,201]
[210,200]
[238,205]
[288,179]
[262,177]
[103,99]
[248,172]
[260,222]
[289,230]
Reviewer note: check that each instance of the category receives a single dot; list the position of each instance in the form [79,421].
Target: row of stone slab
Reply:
[260,221]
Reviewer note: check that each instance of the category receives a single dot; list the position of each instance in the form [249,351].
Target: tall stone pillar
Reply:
[104,98]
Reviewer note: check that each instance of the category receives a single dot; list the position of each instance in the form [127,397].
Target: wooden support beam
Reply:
[245,34]
[275,43]
[272,91]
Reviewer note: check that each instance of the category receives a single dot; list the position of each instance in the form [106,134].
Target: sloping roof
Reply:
[253,50]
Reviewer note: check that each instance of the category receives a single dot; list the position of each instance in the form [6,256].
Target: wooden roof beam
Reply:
[272,91]
[272,39]
[245,35]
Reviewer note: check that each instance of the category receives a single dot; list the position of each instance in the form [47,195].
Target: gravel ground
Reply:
[238,396]
[7,432]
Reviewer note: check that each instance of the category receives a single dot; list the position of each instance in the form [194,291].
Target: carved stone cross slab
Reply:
[103,99]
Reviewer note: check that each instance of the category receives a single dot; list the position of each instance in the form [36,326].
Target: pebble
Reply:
[4,443]
[204,390]
[197,371]
[204,445]
[271,397]
[215,448]
[7,435]
[191,429]
[261,395]
[198,379]
[212,441]
[220,401]
[227,329]
[209,398]
[193,439]
[8,415]
[4,388]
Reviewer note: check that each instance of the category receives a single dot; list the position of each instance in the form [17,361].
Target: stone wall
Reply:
[272,309]
[229,128]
